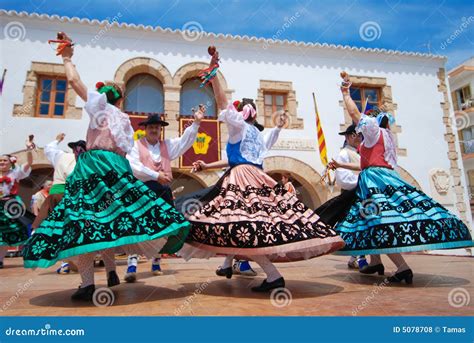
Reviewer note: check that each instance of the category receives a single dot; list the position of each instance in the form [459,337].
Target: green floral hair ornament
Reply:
[102,88]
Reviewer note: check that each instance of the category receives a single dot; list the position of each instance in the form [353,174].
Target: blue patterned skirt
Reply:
[391,216]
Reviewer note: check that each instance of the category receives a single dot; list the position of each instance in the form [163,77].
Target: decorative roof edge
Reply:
[244,38]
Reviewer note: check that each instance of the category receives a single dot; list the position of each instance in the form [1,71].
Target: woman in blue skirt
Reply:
[389,215]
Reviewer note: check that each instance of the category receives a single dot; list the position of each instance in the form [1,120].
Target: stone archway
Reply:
[205,179]
[303,173]
[142,65]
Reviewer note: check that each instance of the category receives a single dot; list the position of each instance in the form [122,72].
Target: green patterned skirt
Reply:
[13,230]
[104,206]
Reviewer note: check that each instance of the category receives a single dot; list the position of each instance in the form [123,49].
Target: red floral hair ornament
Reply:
[99,85]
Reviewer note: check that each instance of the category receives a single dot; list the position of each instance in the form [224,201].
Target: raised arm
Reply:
[179,145]
[270,137]
[219,94]
[30,146]
[350,104]
[71,72]
[52,150]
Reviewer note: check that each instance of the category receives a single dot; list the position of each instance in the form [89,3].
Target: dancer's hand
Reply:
[282,120]
[164,178]
[214,55]
[68,50]
[30,145]
[199,166]
[60,137]
[346,83]
[199,114]
[333,165]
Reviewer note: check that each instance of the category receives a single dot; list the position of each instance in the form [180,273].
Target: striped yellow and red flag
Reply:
[323,153]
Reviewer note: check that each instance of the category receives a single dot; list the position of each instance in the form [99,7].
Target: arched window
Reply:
[192,96]
[144,94]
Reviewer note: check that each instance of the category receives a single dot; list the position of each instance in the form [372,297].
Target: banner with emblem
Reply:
[206,147]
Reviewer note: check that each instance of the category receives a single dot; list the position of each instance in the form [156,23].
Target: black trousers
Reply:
[336,209]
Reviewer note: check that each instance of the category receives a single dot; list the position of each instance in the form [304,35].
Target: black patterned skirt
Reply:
[13,223]
[252,215]
[104,207]
[391,216]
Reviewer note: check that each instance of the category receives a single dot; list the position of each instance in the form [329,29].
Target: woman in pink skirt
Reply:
[249,215]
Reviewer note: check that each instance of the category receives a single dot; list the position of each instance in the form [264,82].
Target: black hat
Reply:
[350,129]
[80,143]
[154,118]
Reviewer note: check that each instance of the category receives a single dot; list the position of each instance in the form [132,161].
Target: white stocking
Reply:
[108,256]
[268,267]
[399,262]
[85,266]
[228,261]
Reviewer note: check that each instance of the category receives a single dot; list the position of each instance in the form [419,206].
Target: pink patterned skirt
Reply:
[253,216]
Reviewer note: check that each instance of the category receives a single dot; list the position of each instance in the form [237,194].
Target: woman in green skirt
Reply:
[104,206]
[13,230]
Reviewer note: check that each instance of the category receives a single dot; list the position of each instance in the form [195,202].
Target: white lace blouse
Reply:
[107,120]
[254,144]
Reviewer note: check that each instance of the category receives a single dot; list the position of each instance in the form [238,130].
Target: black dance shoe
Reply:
[113,279]
[227,272]
[406,275]
[268,286]
[84,294]
[377,268]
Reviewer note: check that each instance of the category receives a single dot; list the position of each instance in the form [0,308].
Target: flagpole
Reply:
[322,155]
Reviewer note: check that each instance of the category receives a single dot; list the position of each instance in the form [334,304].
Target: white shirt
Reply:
[16,174]
[176,147]
[63,162]
[345,178]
